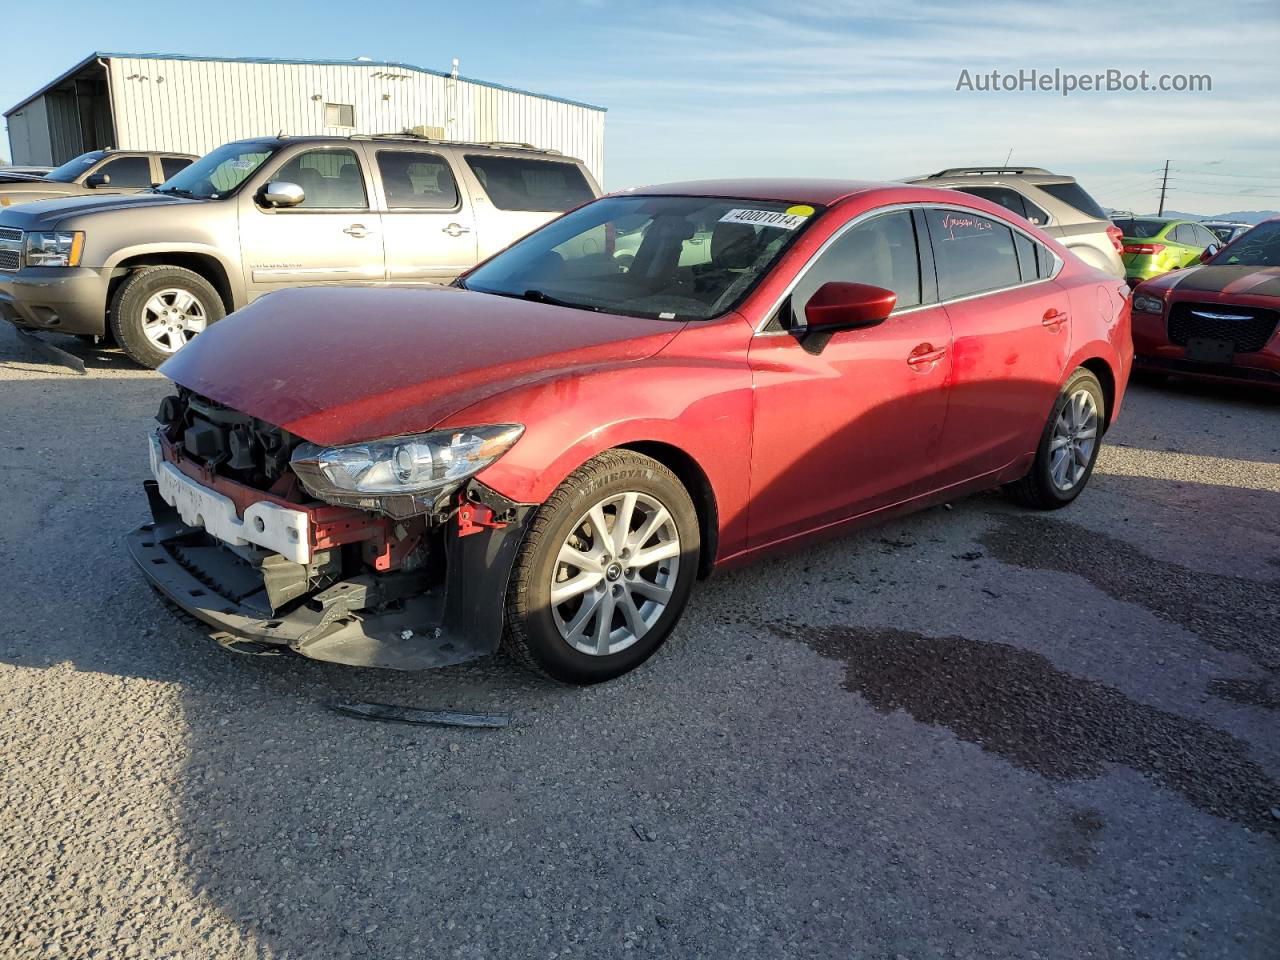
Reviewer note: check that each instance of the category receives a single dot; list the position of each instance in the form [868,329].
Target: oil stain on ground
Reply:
[1228,613]
[1017,704]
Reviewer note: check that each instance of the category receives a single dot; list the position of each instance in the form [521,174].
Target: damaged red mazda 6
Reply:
[660,383]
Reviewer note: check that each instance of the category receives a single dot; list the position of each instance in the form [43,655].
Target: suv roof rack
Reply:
[493,144]
[979,171]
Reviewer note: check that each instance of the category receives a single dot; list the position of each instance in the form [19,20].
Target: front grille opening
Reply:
[1247,328]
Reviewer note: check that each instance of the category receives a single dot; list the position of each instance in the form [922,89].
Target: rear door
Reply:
[429,227]
[333,236]
[1011,327]
[515,194]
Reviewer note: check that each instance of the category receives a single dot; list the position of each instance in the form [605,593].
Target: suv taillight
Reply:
[1146,248]
[1115,233]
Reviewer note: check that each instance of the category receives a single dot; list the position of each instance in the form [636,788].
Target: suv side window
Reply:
[127,171]
[171,165]
[972,253]
[881,252]
[517,183]
[330,180]
[417,181]
[1010,199]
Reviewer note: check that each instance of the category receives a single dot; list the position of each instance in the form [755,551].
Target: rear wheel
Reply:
[158,310]
[1068,447]
[605,571]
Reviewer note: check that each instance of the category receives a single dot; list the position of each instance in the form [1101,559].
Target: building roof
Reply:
[102,55]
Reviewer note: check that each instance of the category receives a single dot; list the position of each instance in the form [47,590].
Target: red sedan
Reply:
[1217,321]
[660,383]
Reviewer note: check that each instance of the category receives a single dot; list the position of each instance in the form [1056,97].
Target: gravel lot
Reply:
[978,732]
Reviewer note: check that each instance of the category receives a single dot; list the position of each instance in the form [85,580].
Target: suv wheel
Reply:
[157,310]
[605,571]
[1068,447]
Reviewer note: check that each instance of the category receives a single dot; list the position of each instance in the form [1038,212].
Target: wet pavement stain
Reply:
[1018,705]
[1228,613]
[1253,693]
[1073,842]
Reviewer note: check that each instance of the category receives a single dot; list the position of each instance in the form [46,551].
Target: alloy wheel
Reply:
[615,573]
[170,318]
[1075,435]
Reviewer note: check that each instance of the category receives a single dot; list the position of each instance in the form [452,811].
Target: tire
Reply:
[141,291]
[538,633]
[1041,487]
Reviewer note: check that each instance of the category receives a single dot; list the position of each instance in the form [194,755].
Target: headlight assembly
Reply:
[1145,304]
[401,476]
[59,248]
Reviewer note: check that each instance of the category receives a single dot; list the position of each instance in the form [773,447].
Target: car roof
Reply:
[409,138]
[793,190]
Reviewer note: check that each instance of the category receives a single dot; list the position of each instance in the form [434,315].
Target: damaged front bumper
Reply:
[398,621]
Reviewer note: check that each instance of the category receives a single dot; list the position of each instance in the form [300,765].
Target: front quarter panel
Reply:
[695,396]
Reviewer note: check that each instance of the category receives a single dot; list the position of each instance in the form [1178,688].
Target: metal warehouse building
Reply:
[152,101]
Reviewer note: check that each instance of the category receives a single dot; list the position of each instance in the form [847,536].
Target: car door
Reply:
[514,195]
[852,427]
[429,227]
[332,236]
[128,173]
[1010,324]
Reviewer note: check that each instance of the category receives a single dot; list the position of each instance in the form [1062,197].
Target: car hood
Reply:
[344,364]
[47,213]
[22,178]
[1227,279]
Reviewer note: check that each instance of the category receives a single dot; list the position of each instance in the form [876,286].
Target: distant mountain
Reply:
[1239,216]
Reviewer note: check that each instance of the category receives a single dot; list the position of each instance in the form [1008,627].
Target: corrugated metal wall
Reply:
[196,105]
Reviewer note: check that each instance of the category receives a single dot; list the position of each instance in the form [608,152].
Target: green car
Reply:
[1154,245]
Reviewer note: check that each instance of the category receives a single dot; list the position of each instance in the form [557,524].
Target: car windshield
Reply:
[1141,229]
[73,168]
[220,173]
[666,258]
[1260,247]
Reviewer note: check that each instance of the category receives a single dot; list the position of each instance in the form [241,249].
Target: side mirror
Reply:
[96,180]
[847,306]
[1209,252]
[281,193]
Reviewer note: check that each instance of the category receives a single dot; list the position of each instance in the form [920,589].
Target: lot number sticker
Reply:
[764,218]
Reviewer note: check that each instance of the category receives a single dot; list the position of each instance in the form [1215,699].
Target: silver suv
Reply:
[1056,204]
[253,216]
[101,171]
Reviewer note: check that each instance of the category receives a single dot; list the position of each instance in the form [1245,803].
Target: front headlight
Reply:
[1146,304]
[401,476]
[61,248]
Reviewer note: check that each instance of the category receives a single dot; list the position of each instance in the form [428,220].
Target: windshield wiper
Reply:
[539,296]
[176,192]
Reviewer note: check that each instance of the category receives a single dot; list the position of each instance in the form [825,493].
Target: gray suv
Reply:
[1056,204]
[155,269]
[98,171]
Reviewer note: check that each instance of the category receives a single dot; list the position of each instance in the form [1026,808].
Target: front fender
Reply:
[234,275]
[694,396]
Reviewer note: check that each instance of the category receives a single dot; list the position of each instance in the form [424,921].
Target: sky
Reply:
[790,87]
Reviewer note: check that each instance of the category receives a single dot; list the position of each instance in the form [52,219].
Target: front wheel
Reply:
[158,310]
[1068,447]
[605,571]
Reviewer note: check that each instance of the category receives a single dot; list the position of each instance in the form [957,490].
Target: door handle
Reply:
[455,230]
[357,230]
[925,355]
[1053,318]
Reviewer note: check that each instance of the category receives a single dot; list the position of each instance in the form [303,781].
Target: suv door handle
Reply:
[357,230]
[925,354]
[1053,318]
[455,230]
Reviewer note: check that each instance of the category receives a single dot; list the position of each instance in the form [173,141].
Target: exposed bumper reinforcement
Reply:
[350,622]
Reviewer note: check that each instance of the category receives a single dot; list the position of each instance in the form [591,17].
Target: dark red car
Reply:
[1220,320]
[658,384]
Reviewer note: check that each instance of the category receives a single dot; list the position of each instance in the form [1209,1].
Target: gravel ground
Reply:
[978,732]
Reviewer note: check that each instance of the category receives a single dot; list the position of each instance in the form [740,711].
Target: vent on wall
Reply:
[339,115]
[428,133]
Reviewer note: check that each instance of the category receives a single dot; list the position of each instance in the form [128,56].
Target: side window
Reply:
[171,165]
[1009,199]
[417,181]
[1034,214]
[514,183]
[1204,237]
[972,253]
[1035,262]
[339,115]
[881,252]
[330,180]
[127,171]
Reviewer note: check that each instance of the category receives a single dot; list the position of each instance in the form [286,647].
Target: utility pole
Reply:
[1164,185]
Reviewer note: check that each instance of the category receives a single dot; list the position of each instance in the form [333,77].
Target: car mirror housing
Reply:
[1209,252]
[281,193]
[848,306]
[98,180]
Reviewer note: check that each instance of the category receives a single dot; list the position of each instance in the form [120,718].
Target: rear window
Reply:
[1074,195]
[173,165]
[516,183]
[1140,229]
